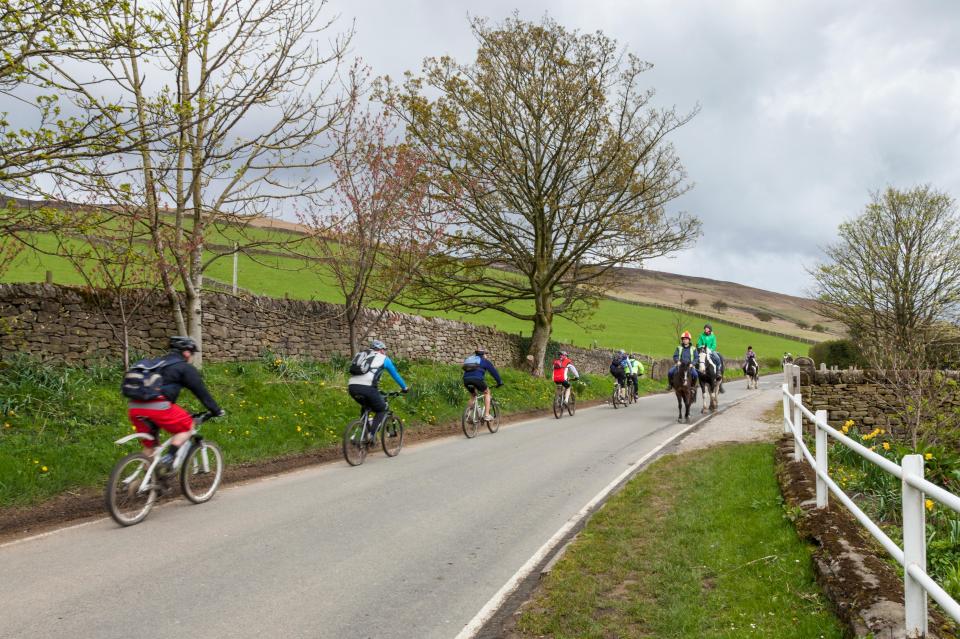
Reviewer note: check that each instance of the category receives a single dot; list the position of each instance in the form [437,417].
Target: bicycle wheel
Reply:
[125,502]
[201,472]
[558,405]
[354,448]
[470,419]
[391,436]
[572,404]
[615,399]
[494,424]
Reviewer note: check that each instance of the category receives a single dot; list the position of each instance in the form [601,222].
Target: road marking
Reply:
[55,531]
[475,624]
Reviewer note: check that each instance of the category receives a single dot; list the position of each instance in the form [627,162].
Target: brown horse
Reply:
[685,390]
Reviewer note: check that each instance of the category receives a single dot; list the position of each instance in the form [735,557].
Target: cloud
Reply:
[806,107]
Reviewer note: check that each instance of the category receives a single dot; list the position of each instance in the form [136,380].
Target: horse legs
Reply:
[705,391]
[680,408]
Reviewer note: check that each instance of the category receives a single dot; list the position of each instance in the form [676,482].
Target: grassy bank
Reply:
[696,546]
[58,424]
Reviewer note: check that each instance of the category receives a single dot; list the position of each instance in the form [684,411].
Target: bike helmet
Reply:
[182,343]
[480,350]
[377,345]
[621,352]
[562,354]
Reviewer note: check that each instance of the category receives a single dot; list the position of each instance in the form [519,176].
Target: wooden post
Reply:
[49,277]
[236,249]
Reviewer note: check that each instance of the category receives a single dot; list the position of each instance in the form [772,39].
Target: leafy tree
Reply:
[763,316]
[719,306]
[692,302]
[556,164]
[381,225]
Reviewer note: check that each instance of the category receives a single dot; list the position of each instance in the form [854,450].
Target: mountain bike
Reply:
[358,437]
[619,397]
[633,390]
[559,404]
[138,479]
[473,415]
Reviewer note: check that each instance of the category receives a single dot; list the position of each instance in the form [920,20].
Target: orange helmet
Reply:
[687,335]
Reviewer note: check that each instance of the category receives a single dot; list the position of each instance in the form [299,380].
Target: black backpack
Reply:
[143,382]
[361,362]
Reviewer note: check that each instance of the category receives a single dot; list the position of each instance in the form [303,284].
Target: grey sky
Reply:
[806,106]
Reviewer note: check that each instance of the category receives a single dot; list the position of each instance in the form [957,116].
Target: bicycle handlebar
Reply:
[199,418]
[392,393]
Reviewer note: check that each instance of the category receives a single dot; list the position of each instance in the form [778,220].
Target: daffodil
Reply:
[886,445]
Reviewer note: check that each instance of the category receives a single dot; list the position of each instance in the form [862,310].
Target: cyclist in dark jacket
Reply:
[474,382]
[177,374]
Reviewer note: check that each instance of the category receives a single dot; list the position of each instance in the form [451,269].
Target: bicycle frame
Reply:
[148,481]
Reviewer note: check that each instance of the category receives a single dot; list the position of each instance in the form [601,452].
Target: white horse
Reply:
[710,379]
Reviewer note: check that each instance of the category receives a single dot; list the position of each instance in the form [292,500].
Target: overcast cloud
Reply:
[806,106]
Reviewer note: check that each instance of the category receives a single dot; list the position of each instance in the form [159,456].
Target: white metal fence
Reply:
[917,584]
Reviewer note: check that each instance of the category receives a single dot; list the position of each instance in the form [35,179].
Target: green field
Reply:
[615,324]
[696,547]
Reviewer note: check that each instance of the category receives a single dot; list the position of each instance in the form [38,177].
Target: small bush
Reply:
[802,325]
[763,316]
[837,352]
[692,302]
[819,328]
[720,305]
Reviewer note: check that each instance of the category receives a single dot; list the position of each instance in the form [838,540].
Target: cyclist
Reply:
[635,371]
[709,340]
[618,367]
[684,353]
[474,370]
[177,373]
[563,372]
[364,388]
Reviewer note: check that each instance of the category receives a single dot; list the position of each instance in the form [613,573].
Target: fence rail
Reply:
[917,584]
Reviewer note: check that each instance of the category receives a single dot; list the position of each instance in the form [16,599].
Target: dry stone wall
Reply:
[82,326]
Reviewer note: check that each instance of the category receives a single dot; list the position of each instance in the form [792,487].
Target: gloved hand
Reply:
[222,413]
[405,390]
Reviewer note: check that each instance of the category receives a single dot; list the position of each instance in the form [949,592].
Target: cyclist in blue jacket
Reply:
[475,369]
[365,388]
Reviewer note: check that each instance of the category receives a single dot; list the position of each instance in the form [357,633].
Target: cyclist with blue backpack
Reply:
[364,387]
[475,368]
[152,387]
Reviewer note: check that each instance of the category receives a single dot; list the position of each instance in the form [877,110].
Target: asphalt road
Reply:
[407,547]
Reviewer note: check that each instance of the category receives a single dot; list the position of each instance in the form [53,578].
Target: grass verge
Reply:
[695,546]
[58,424]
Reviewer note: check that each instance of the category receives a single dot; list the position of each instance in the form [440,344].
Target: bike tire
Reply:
[469,421]
[558,405]
[118,494]
[354,448]
[615,398]
[572,404]
[199,479]
[494,424]
[391,436]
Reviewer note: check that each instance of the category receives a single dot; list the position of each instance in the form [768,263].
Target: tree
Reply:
[692,302]
[556,165]
[893,280]
[230,126]
[719,306]
[382,223]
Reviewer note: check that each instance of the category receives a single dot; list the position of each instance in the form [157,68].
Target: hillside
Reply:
[671,290]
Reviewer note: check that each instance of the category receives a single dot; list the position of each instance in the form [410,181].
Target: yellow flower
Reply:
[35,461]
[6,424]
[848,423]
[929,504]
[246,432]
[928,456]
[308,433]
[43,469]
[886,445]
[845,428]
[298,429]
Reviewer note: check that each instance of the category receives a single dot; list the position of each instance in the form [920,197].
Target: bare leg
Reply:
[486,401]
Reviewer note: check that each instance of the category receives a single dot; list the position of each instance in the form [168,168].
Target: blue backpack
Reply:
[472,363]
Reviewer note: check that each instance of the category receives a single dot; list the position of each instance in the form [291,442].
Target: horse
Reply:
[752,371]
[686,391]
[710,379]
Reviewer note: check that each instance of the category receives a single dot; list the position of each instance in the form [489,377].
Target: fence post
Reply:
[823,494]
[914,548]
[797,427]
[786,409]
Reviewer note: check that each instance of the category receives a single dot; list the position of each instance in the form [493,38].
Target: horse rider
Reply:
[749,356]
[709,341]
[685,353]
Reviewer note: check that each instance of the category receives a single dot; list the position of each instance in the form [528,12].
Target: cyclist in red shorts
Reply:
[177,373]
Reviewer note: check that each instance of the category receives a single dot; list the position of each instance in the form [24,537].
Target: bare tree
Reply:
[382,224]
[232,103]
[556,164]
[893,279]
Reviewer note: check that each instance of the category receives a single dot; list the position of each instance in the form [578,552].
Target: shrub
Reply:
[802,324]
[819,328]
[837,352]
[720,305]
[763,316]
[692,302]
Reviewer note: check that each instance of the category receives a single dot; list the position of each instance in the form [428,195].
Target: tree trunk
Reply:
[352,332]
[542,327]
[195,319]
